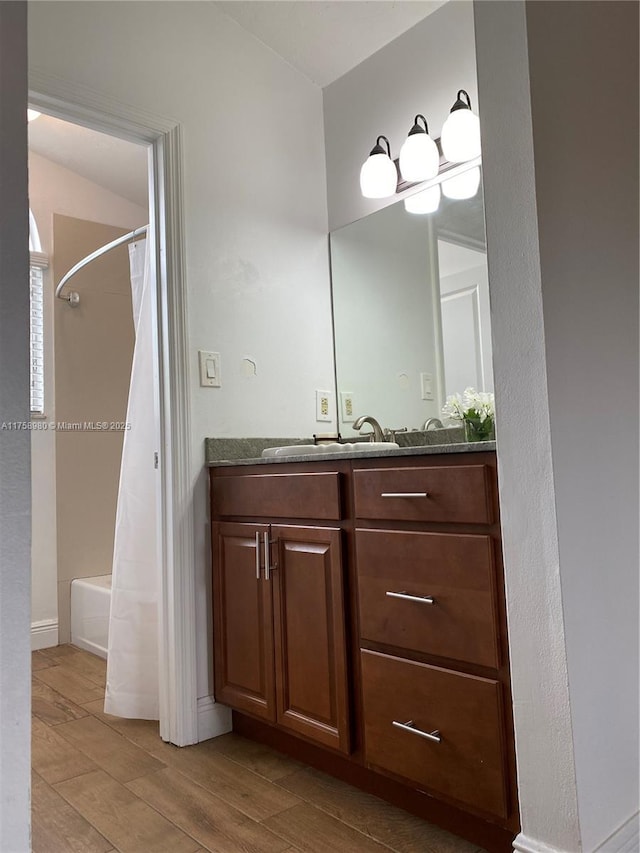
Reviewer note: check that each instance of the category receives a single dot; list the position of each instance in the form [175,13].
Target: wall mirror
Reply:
[411,311]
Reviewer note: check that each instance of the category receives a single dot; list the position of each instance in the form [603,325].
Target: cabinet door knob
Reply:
[410,727]
[404,495]
[422,599]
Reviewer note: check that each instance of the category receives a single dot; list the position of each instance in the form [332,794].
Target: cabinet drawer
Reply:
[278,496]
[457,493]
[467,764]
[455,572]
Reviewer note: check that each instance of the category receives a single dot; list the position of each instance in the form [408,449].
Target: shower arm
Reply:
[73,298]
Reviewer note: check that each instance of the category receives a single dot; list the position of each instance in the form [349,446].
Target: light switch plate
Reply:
[426,384]
[323,406]
[210,376]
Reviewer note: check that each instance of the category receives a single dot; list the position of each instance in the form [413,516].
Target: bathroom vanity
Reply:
[360,626]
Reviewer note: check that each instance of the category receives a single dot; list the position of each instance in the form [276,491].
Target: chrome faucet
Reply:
[436,423]
[377,434]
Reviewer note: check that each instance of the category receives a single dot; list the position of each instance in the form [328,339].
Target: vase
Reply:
[477,430]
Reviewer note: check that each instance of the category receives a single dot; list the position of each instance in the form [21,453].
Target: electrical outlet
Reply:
[210,376]
[347,407]
[426,384]
[323,406]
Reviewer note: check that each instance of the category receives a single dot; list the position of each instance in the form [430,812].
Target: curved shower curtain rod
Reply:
[74,298]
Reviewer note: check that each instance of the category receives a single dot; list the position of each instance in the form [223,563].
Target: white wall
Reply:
[255,209]
[588,226]
[15,498]
[544,742]
[54,189]
[565,335]
[419,72]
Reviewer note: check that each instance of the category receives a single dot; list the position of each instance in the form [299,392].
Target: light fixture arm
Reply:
[378,149]
[460,104]
[416,127]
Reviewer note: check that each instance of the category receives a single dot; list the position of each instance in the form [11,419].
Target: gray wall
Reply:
[15,481]
[583,60]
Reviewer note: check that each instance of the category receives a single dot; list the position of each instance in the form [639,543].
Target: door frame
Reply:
[177,611]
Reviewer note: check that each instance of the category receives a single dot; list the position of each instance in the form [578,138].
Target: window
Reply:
[38,264]
[36,294]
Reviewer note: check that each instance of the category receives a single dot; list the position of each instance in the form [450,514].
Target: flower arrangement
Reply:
[476,409]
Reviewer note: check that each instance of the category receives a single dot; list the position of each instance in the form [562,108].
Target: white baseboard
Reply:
[44,634]
[626,839]
[524,844]
[213,718]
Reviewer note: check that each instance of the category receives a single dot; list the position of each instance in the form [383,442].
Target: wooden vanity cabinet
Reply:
[279,609]
[379,630]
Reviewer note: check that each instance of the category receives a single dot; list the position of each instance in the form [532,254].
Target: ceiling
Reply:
[112,163]
[323,40]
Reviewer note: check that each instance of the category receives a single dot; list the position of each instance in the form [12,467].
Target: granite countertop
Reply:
[247,451]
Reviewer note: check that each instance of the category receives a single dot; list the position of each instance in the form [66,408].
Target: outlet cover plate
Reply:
[323,406]
[347,407]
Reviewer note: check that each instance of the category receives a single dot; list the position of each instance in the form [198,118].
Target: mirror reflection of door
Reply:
[466,333]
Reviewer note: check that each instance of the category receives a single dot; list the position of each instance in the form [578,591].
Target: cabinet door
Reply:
[243,620]
[311,667]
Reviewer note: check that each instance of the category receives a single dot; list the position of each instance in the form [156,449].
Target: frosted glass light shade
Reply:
[419,158]
[427,201]
[32,114]
[464,185]
[378,176]
[460,138]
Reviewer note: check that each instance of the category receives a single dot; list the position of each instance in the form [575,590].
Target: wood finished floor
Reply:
[103,784]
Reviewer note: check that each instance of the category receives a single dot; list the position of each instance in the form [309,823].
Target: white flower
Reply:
[453,408]
[472,405]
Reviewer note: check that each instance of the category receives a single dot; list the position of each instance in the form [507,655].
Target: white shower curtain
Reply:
[132,661]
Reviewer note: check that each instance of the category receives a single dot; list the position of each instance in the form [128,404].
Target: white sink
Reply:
[371,445]
[333,447]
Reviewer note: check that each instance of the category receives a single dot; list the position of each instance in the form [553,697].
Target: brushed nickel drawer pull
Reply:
[404,495]
[410,727]
[258,556]
[423,599]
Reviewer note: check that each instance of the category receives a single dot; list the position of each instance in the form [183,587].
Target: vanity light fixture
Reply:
[463,185]
[419,156]
[460,138]
[378,175]
[426,201]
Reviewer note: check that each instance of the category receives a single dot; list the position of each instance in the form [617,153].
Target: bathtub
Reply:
[90,602]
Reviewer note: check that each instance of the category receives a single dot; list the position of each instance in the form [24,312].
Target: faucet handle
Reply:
[390,434]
